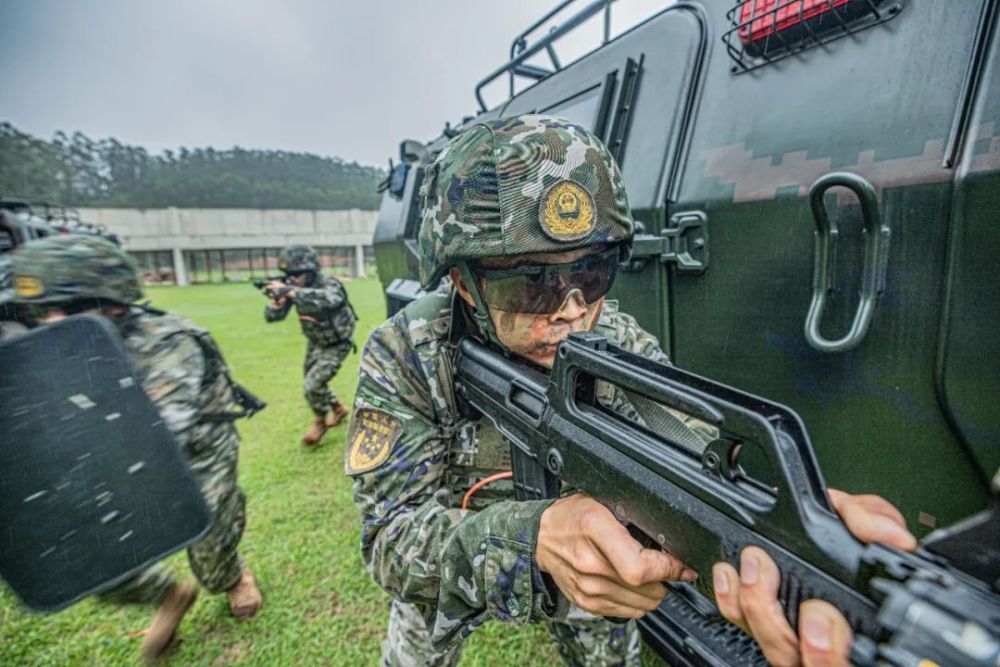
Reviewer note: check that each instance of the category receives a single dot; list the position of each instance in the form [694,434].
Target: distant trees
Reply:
[79,171]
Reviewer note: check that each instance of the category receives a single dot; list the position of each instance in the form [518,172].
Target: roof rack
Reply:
[520,51]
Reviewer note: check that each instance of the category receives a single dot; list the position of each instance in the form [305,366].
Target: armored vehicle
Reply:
[22,221]
[818,186]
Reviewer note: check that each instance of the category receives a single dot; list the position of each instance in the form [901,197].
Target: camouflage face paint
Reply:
[535,337]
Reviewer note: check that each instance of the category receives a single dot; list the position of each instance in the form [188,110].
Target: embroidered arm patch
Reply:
[372,436]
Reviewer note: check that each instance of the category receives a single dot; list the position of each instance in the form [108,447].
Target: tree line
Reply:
[79,171]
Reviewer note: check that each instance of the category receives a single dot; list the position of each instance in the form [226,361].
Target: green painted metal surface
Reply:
[913,412]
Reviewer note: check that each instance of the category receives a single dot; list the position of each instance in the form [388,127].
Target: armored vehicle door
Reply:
[898,387]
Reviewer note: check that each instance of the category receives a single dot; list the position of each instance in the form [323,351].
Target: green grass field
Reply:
[321,607]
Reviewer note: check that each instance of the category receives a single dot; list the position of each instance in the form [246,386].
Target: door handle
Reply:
[876,257]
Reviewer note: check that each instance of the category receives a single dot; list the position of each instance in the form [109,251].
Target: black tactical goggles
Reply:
[542,288]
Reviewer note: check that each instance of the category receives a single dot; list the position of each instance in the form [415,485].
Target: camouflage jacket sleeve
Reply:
[320,301]
[460,568]
[272,314]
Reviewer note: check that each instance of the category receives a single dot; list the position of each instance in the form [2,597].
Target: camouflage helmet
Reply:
[297,258]
[520,185]
[65,268]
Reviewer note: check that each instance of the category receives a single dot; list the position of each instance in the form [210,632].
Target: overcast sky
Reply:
[332,77]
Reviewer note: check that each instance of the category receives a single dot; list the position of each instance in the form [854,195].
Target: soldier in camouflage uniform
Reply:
[327,320]
[528,219]
[184,374]
[504,197]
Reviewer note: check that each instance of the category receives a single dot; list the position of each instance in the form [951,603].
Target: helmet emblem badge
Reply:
[28,287]
[567,211]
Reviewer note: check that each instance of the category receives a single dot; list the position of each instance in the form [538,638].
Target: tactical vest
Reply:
[334,327]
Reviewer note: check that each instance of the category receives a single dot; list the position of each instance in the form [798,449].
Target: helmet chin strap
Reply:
[481,313]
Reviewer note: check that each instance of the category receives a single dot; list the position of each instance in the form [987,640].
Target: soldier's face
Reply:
[298,279]
[536,336]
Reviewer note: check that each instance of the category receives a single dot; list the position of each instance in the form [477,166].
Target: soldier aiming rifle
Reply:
[327,320]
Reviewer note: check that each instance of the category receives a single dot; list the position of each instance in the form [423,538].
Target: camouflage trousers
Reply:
[215,560]
[582,640]
[322,363]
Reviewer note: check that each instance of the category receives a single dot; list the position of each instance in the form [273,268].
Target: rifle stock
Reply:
[702,506]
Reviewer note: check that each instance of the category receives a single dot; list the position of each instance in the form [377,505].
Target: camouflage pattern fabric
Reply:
[458,568]
[327,321]
[407,643]
[582,640]
[187,390]
[321,364]
[324,313]
[64,268]
[296,258]
[516,165]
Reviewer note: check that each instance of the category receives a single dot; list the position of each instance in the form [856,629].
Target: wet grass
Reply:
[321,607]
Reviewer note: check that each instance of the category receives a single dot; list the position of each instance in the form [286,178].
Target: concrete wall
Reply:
[217,228]
[179,229]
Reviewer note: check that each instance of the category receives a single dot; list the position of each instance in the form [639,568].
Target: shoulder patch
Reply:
[373,435]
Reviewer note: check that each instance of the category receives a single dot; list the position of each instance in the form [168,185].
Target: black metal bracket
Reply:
[683,243]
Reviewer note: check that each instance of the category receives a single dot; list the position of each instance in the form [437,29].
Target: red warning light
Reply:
[760,19]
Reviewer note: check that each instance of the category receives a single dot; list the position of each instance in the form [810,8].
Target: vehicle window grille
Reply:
[763,32]
[623,111]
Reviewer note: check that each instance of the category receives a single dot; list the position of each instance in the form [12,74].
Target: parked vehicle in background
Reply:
[818,188]
[22,221]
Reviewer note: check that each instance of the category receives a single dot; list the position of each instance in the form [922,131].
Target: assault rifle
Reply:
[697,501]
[273,294]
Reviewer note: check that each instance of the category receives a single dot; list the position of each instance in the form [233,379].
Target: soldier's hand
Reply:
[597,565]
[749,597]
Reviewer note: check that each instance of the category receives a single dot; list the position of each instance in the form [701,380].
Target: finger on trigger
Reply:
[662,566]
[636,565]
